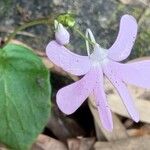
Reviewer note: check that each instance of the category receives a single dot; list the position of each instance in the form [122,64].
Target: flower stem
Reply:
[46,21]
[83,36]
[27,25]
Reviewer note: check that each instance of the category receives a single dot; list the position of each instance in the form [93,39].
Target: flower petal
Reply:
[72,96]
[137,73]
[122,47]
[101,101]
[112,74]
[64,58]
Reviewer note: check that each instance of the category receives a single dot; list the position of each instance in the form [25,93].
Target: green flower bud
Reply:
[66,19]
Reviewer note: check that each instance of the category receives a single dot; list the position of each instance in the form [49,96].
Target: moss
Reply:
[5,5]
[142,45]
[137,11]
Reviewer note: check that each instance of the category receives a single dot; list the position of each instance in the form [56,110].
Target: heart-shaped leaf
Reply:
[24,96]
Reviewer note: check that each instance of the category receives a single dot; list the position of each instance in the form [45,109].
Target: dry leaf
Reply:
[47,143]
[80,143]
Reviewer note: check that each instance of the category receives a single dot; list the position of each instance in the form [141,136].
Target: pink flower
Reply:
[94,67]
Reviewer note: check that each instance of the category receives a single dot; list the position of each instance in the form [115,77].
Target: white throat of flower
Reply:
[99,54]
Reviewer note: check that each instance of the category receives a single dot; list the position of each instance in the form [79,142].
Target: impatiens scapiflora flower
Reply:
[95,66]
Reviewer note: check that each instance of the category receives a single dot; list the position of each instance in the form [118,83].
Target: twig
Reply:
[7,30]
[27,25]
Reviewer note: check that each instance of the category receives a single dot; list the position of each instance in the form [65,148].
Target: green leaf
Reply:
[24,96]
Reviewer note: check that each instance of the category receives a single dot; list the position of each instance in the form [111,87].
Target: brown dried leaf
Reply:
[140,143]
[144,130]
[80,143]
[47,143]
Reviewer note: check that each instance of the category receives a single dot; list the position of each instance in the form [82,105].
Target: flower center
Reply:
[99,56]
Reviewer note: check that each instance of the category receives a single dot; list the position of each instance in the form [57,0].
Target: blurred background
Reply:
[81,131]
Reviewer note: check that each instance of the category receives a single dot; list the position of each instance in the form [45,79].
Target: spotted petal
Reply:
[112,74]
[122,47]
[136,73]
[102,104]
[64,58]
[72,96]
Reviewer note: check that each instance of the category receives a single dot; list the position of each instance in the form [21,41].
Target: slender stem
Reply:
[27,25]
[83,36]
[46,21]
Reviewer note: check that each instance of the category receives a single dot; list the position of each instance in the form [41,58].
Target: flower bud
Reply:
[62,36]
